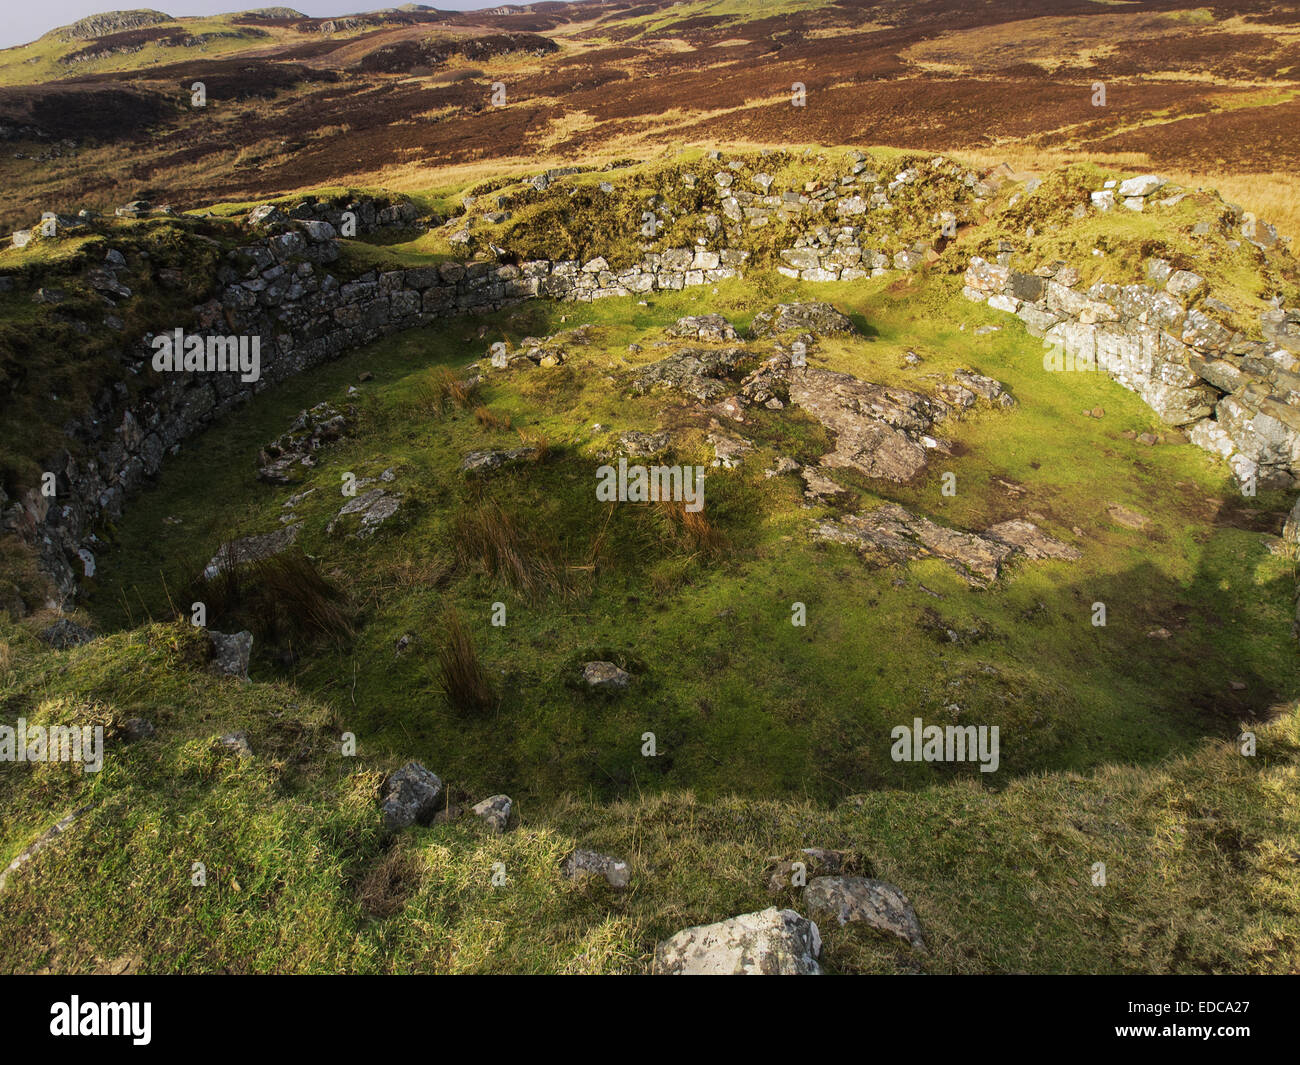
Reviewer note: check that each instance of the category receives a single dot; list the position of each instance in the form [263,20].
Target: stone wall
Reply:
[1234,394]
[280,289]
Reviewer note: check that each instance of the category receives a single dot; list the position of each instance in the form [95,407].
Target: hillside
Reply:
[976,406]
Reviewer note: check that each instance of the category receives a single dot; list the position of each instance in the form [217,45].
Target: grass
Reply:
[1118,747]
[464,682]
[705,608]
[298,877]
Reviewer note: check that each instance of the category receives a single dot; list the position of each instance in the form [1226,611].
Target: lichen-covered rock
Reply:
[820,319]
[411,796]
[1031,541]
[371,508]
[605,676]
[494,812]
[880,431]
[771,942]
[281,460]
[487,461]
[702,327]
[251,549]
[897,535]
[698,372]
[856,899]
[588,863]
[230,652]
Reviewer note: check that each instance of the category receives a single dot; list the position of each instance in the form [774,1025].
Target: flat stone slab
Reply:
[770,942]
[487,461]
[901,536]
[702,327]
[857,899]
[251,549]
[818,318]
[880,431]
[374,508]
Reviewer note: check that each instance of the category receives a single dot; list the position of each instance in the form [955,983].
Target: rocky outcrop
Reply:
[819,319]
[859,900]
[879,431]
[896,535]
[281,461]
[771,942]
[700,373]
[66,633]
[702,327]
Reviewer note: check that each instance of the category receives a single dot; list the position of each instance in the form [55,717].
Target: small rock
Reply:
[235,743]
[771,942]
[230,652]
[412,795]
[494,811]
[1130,519]
[135,729]
[872,902]
[605,676]
[588,863]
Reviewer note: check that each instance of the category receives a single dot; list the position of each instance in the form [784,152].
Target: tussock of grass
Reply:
[440,390]
[489,420]
[464,681]
[284,597]
[692,530]
[489,536]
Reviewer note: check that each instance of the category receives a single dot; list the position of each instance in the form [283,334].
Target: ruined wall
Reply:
[280,289]
[1235,395]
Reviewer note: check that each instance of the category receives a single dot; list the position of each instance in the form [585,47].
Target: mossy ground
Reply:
[1116,747]
[740,699]
[1199,849]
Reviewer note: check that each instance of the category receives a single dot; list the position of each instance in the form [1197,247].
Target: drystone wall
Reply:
[280,290]
[1235,395]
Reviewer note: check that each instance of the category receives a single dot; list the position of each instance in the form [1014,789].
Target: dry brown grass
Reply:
[491,537]
[1273,196]
[464,681]
[692,530]
[282,597]
[439,390]
[489,420]
[392,880]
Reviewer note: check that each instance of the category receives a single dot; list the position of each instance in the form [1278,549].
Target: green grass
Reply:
[1200,855]
[719,666]
[1116,747]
